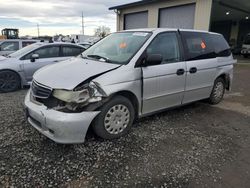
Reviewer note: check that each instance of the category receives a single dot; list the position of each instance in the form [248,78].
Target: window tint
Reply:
[46,52]
[26,43]
[10,46]
[221,46]
[71,51]
[165,44]
[198,45]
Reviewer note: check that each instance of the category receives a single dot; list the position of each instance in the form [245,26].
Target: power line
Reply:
[38,30]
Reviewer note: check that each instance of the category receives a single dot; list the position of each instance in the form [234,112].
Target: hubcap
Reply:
[218,90]
[117,119]
[7,81]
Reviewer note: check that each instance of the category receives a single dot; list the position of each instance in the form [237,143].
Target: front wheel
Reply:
[115,119]
[218,91]
[9,81]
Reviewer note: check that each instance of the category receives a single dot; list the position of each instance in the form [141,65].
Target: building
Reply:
[228,17]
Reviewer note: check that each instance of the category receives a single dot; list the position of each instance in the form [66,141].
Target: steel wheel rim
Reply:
[218,90]
[117,119]
[7,81]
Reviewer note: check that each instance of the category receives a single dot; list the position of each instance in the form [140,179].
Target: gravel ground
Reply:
[193,146]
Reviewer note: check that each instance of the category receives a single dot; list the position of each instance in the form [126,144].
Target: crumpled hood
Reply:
[70,73]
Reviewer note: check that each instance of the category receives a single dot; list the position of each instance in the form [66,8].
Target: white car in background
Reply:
[9,46]
[246,46]
[17,69]
[85,44]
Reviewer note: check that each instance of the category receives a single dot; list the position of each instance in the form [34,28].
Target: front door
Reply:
[163,85]
[47,55]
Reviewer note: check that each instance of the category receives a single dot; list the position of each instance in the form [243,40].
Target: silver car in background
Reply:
[128,75]
[17,69]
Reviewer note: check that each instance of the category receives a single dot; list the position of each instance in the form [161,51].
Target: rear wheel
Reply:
[115,119]
[9,81]
[218,91]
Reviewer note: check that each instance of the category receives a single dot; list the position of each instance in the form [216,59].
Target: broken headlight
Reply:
[86,93]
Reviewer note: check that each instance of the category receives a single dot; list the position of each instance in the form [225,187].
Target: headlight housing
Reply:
[86,93]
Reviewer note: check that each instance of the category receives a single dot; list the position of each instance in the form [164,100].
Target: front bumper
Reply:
[64,128]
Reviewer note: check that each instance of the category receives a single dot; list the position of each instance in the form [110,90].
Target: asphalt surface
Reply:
[193,146]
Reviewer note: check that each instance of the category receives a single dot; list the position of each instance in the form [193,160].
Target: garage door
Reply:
[136,20]
[177,17]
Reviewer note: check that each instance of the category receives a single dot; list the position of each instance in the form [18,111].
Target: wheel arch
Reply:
[226,78]
[14,71]
[132,98]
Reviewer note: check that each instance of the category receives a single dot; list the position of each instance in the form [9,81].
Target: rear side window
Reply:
[45,52]
[198,46]
[26,43]
[10,46]
[221,46]
[71,51]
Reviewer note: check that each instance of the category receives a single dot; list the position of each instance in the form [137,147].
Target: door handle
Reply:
[180,72]
[56,61]
[193,70]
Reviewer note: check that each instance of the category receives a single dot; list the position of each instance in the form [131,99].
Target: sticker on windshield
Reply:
[203,45]
[123,45]
[140,34]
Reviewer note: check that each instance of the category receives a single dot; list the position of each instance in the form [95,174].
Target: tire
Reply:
[9,81]
[115,119]
[218,91]
[245,56]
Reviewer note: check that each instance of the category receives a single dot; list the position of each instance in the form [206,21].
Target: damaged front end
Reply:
[86,96]
[62,115]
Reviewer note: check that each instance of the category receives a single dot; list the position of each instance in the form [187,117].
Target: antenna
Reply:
[82,24]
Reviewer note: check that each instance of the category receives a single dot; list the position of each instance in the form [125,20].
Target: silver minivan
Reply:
[128,75]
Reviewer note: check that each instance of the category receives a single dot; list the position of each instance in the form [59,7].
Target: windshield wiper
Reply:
[84,57]
[99,57]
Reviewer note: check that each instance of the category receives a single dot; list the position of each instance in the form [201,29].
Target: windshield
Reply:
[24,50]
[117,48]
[247,40]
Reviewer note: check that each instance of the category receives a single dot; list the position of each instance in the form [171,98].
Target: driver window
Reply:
[165,44]
[47,52]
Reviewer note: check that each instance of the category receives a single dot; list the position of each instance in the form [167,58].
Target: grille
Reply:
[40,91]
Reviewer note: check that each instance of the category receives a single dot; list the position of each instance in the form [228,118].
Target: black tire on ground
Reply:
[110,124]
[245,56]
[218,91]
[9,81]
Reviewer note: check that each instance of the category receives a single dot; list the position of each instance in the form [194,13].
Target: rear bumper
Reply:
[245,52]
[64,128]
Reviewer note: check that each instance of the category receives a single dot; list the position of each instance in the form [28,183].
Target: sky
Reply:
[57,16]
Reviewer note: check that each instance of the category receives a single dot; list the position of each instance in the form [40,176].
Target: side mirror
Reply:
[34,57]
[153,59]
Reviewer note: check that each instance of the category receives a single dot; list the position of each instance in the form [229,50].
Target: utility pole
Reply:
[38,31]
[82,24]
